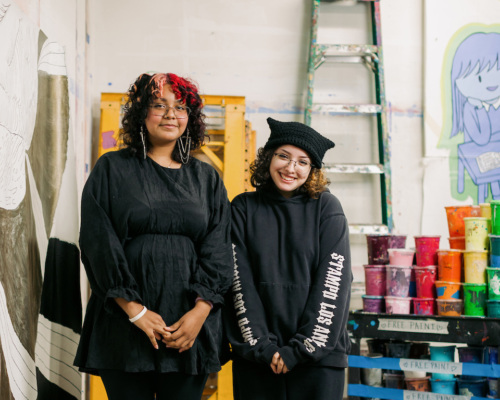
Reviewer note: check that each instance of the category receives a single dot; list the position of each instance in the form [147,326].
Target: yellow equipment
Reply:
[230,150]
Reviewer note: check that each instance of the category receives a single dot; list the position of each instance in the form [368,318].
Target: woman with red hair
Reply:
[155,243]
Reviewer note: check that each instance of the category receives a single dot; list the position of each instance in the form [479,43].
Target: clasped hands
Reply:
[180,335]
[278,364]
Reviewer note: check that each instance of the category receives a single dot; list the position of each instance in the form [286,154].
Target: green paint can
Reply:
[495,217]
[493,308]
[493,283]
[475,299]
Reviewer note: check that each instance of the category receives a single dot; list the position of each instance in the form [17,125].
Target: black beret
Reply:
[299,135]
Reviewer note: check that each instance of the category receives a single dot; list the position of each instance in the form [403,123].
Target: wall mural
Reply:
[461,103]
[471,77]
[40,304]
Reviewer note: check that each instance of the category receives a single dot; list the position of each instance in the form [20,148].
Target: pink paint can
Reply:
[423,306]
[426,250]
[397,242]
[425,278]
[401,257]
[397,305]
[398,280]
[375,280]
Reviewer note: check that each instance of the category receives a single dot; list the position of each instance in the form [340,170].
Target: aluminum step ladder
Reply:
[371,56]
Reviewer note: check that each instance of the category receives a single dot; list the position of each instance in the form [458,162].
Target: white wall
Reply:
[259,50]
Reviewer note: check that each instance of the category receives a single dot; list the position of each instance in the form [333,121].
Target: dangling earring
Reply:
[184,147]
[143,142]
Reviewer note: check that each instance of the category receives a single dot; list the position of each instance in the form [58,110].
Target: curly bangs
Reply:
[143,92]
[315,184]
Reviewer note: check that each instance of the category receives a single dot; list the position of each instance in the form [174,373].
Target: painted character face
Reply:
[289,169]
[483,86]
[165,127]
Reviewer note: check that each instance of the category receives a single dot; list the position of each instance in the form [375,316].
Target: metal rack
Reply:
[473,331]
[372,57]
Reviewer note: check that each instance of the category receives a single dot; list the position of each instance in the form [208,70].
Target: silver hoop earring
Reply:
[143,142]
[184,147]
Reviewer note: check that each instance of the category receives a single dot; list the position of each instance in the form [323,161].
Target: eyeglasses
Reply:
[160,110]
[300,165]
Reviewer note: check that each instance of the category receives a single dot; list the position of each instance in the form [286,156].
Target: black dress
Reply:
[160,237]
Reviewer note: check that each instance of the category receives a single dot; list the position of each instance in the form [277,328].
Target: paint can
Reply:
[455,216]
[493,389]
[450,265]
[471,387]
[448,290]
[377,249]
[394,381]
[401,257]
[377,346]
[490,355]
[425,278]
[485,210]
[444,386]
[475,263]
[442,353]
[493,308]
[397,242]
[398,280]
[457,243]
[493,283]
[397,305]
[475,299]
[495,217]
[423,306]
[398,349]
[375,280]
[374,304]
[426,250]
[418,384]
[450,307]
[372,376]
[419,351]
[470,354]
[476,233]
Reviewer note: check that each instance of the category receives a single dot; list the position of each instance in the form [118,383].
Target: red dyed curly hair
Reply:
[141,94]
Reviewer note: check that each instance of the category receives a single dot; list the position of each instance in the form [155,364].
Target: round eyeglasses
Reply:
[300,165]
[160,110]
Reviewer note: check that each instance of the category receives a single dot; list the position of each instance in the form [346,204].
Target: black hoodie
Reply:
[292,279]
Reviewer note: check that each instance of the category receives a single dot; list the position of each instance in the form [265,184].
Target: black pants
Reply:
[252,381]
[122,385]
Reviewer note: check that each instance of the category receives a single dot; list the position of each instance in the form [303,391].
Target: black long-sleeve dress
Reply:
[160,237]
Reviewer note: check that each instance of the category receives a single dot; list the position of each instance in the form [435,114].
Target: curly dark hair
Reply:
[141,94]
[315,184]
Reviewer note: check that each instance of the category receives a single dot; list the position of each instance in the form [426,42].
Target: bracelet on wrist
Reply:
[138,316]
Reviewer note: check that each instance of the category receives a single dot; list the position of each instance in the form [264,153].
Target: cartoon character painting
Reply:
[475,114]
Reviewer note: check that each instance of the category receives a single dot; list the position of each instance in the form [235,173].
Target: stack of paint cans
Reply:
[449,282]
[480,271]
[466,385]
[426,248]
[383,292]
[493,271]
[455,216]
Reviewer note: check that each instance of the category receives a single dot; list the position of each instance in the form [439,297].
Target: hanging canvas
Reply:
[40,304]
